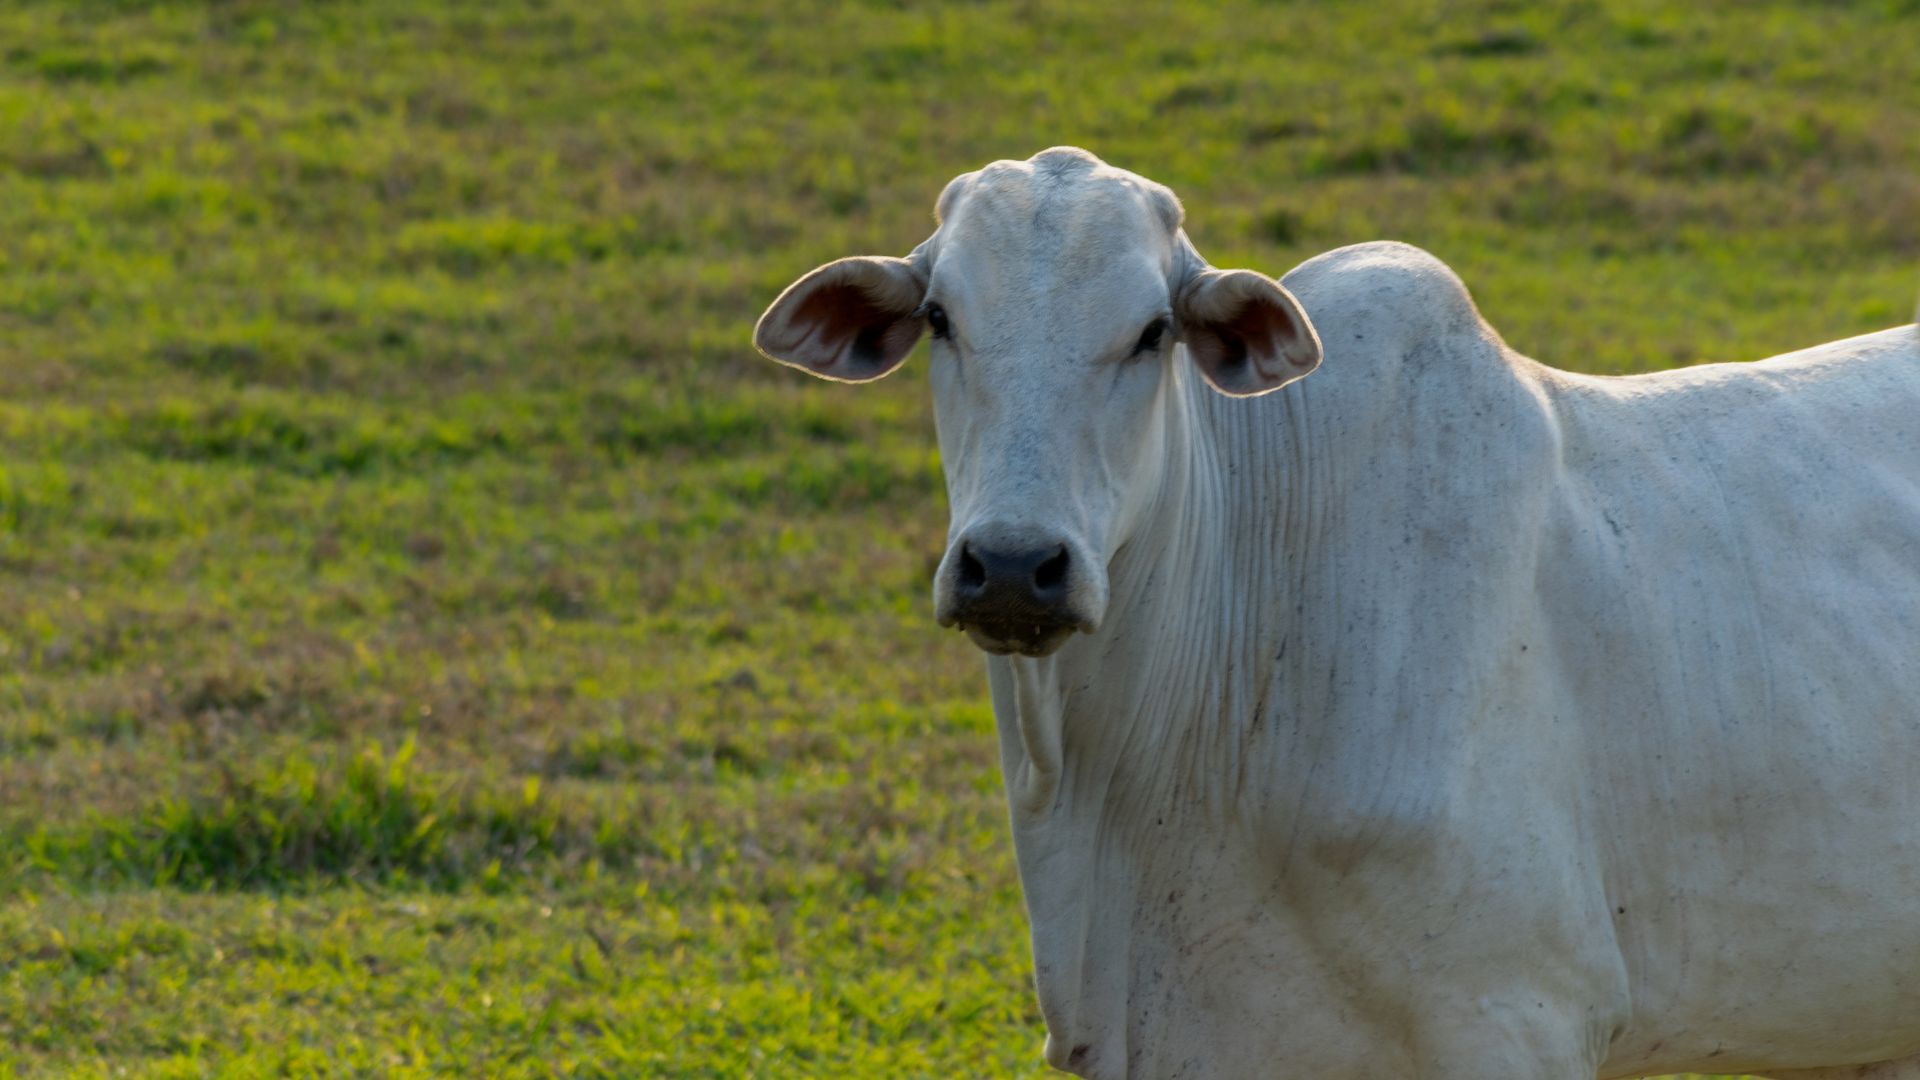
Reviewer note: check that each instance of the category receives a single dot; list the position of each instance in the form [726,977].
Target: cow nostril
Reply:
[972,574]
[1051,574]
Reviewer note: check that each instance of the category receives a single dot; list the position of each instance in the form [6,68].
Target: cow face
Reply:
[1056,291]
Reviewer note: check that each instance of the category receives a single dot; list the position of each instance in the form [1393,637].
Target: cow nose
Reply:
[1027,582]
[1013,591]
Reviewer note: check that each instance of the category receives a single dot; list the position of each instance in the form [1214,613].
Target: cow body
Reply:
[1598,744]
[1748,537]
[1441,714]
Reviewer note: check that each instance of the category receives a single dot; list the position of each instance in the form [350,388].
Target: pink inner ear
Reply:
[1266,324]
[853,333]
[1245,334]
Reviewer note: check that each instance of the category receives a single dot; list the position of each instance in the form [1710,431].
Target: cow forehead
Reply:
[1058,224]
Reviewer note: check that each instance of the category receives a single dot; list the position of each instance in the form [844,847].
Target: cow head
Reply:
[1060,293]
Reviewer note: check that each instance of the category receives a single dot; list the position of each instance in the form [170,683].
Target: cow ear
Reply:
[1247,334]
[851,320]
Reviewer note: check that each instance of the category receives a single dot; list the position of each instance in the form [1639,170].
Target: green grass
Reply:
[431,642]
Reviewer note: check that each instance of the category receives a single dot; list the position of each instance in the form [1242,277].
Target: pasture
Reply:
[432,642]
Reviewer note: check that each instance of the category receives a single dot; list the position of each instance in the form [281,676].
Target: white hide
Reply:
[1449,716]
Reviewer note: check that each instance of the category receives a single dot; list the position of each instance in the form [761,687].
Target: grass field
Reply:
[431,642]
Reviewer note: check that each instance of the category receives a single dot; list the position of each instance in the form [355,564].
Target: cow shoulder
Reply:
[1388,290]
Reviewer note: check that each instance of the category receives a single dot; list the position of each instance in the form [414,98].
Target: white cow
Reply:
[1444,715]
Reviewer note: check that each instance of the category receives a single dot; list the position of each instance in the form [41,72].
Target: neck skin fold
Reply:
[1191,604]
[1180,715]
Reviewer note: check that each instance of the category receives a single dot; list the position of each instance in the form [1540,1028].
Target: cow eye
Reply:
[937,320]
[1150,337]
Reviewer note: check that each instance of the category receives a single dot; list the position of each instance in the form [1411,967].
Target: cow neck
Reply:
[1174,692]
[1164,715]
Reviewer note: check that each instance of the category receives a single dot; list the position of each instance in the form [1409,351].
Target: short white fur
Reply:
[1441,714]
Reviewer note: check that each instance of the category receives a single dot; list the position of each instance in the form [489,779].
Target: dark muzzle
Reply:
[1014,601]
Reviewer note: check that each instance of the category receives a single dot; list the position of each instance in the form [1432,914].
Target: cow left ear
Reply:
[851,320]
[1246,332]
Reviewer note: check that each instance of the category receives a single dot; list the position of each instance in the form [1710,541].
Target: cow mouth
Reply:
[1025,638]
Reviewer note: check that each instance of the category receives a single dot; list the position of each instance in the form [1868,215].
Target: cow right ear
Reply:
[851,320]
[1246,332]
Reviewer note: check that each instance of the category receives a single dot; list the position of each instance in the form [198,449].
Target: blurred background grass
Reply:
[432,642]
